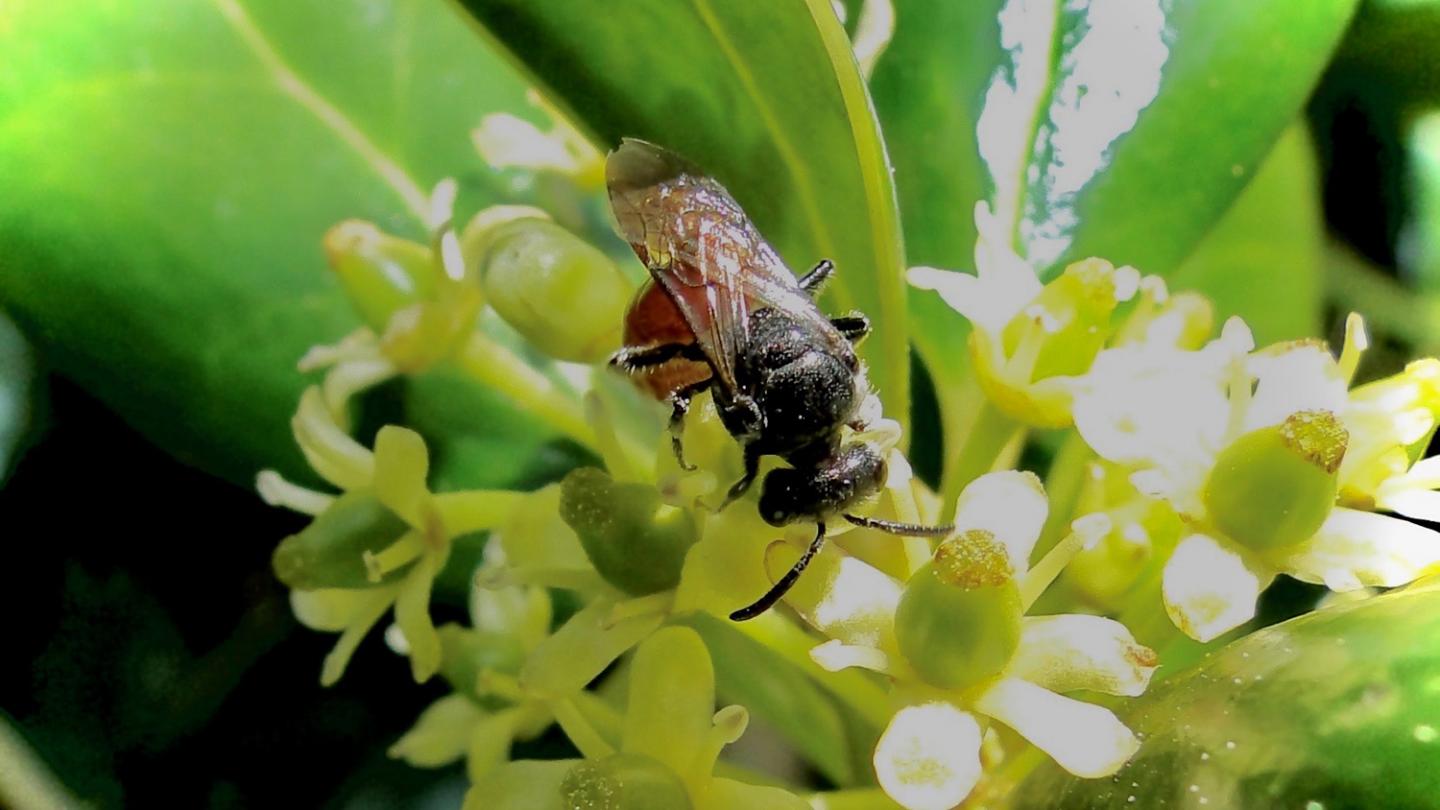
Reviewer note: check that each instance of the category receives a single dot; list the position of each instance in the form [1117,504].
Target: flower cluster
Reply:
[1234,463]
[1204,466]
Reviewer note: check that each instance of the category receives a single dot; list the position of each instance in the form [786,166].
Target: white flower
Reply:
[1029,340]
[1170,416]
[929,755]
[504,140]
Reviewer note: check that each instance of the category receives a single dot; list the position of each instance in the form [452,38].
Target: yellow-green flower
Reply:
[1030,341]
[394,474]
[669,741]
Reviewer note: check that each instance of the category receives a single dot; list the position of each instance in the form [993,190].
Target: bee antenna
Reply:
[902,529]
[785,583]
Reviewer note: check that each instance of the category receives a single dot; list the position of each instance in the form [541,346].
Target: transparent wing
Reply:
[702,249]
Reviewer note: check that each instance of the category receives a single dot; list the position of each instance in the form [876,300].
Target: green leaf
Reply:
[787,699]
[17,381]
[1148,161]
[1263,259]
[767,98]
[171,167]
[1126,131]
[1335,709]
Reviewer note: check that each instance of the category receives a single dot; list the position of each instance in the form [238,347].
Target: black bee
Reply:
[723,313]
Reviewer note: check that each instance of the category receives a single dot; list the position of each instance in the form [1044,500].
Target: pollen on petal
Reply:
[929,756]
[1208,588]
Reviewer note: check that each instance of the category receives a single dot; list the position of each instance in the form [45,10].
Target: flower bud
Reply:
[381,274]
[560,292]
[468,652]
[636,541]
[331,551]
[1275,486]
[958,622]
[623,782]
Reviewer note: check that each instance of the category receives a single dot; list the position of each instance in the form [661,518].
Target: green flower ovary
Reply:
[958,622]
[1274,487]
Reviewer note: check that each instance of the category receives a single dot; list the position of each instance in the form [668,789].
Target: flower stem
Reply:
[1064,483]
[579,730]
[503,370]
[1044,572]
[989,435]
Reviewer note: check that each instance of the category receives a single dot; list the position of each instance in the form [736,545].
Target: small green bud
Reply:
[560,292]
[636,541]
[623,782]
[330,552]
[467,652]
[958,622]
[1275,486]
[381,274]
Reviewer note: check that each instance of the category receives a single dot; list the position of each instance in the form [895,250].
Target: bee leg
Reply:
[632,359]
[902,529]
[785,583]
[812,281]
[853,326]
[752,469]
[679,406]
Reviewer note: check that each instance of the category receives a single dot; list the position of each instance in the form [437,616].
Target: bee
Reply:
[722,312]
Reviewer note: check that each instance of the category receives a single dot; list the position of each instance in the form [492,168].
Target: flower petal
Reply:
[333,454]
[522,785]
[412,614]
[441,735]
[841,596]
[1355,549]
[1209,588]
[532,533]
[1069,652]
[1294,377]
[490,739]
[1421,504]
[276,491]
[331,610]
[582,648]
[672,700]
[728,794]
[401,466]
[929,756]
[1082,738]
[1011,505]
[1153,404]
[366,613]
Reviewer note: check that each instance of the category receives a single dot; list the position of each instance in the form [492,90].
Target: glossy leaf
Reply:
[1126,138]
[764,96]
[171,167]
[1263,259]
[1335,709]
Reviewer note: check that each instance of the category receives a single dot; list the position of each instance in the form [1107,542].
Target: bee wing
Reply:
[703,251]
